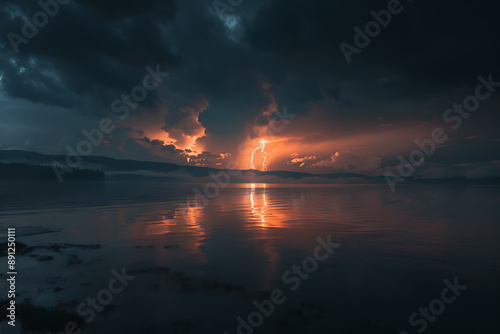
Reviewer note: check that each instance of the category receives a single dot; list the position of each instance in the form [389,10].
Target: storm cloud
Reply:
[231,70]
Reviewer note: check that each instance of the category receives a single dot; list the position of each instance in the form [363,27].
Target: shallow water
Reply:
[396,249]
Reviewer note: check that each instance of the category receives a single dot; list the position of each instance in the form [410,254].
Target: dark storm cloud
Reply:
[164,148]
[126,8]
[431,48]
[86,51]
[100,49]
[263,50]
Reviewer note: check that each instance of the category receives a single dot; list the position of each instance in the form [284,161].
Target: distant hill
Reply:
[26,172]
[132,169]
[116,169]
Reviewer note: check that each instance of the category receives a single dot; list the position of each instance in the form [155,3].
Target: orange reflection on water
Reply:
[167,228]
[264,209]
[184,218]
[160,223]
[259,209]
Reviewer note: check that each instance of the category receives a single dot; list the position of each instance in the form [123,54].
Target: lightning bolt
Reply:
[264,154]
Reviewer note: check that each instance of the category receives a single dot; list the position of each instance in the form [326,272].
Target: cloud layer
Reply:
[229,72]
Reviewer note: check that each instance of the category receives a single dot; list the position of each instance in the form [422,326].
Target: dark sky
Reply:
[231,69]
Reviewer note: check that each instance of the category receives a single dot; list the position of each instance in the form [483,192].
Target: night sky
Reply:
[234,70]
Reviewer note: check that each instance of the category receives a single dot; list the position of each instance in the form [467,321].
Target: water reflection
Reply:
[267,207]
[259,204]
[395,246]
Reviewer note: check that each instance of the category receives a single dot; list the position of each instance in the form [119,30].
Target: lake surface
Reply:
[198,268]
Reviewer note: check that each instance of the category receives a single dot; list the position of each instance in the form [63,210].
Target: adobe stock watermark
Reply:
[372,29]
[293,279]
[455,117]
[436,307]
[223,6]
[92,305]
[222,178]
[121,107]
[29,30]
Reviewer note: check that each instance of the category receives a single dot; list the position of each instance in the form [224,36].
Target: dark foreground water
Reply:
[428,253]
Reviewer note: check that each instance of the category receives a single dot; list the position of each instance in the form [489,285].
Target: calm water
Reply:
[199,268]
